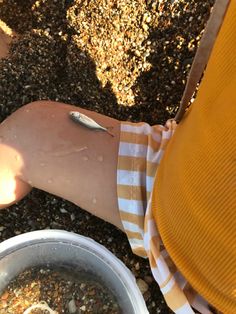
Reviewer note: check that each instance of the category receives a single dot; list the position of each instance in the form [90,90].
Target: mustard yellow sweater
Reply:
[194,199]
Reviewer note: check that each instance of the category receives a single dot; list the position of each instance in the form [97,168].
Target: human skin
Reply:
[41,147]
[4,43]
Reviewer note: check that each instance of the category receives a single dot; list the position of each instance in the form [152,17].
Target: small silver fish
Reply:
[84,120]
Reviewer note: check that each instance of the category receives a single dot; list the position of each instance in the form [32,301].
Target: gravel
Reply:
[128,59]
[61,290]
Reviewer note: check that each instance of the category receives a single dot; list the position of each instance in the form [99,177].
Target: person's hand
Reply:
[171,125]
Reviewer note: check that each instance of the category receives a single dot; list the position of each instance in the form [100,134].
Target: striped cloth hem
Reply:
[140,151]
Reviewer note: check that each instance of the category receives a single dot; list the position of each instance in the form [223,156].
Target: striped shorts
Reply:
[140,151]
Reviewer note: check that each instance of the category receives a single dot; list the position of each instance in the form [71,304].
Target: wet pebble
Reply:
[63,211]
[72,308]
[143,286]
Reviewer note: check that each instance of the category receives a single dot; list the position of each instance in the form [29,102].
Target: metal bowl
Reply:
[62,248]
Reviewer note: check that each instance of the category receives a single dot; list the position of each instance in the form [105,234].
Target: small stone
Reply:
[143,287]
[137,266]
[83,308]
[63,210]
[146,295]
[145,27]
[72,217]
[82,286]
[148,279]
[5,296]
[148,19]
[72,306]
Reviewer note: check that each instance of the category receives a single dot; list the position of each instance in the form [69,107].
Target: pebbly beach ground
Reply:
[128,59]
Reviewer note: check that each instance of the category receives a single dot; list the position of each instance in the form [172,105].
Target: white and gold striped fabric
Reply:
[140,152]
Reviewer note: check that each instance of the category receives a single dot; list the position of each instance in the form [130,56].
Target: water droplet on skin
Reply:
[94,200]
[42,164]
[100,158]
[80,149]
[85,158]
[30,182]
[27,110]
[50,181]
[53,115]
[14,136]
